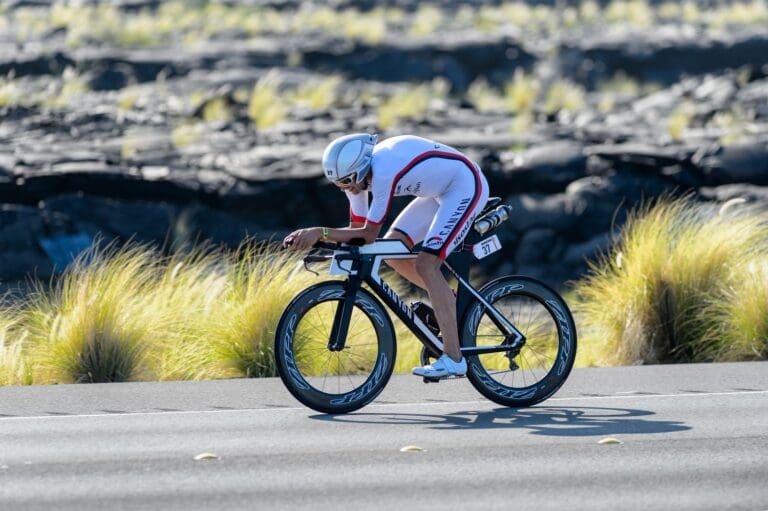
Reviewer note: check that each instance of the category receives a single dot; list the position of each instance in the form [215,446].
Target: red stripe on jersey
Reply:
[354,218]
[410,240]
[419,159]
[464,218]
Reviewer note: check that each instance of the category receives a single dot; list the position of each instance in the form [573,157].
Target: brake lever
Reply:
[313,258]
[307,268]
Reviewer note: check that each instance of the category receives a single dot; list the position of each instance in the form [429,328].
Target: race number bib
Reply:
[486,247]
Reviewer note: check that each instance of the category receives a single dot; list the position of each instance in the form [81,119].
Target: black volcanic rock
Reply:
[142,221]
[26,64]
[546,168]
[749,195]
[530,211]
[653,57]
[7,163]
[739,163]
[20,229]
[111,157]
[460,60]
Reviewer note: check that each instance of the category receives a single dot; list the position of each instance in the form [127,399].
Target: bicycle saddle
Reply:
[492,203]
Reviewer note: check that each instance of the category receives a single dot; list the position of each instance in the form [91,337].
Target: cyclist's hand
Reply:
[303,238]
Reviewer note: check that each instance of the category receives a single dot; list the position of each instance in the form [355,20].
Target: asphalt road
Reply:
[691,437]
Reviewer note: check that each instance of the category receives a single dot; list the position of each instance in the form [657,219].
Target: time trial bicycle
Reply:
[335,344]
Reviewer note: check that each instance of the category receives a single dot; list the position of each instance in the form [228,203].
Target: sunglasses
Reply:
[346,181]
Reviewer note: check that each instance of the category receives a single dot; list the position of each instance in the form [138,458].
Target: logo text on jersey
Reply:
[412,188]
[434,242]
[455,217]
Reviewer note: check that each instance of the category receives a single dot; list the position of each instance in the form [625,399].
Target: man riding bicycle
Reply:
[450,191]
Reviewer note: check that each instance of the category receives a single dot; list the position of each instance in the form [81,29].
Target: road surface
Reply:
[689,437]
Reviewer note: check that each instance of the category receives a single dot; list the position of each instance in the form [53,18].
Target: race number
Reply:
[486,247]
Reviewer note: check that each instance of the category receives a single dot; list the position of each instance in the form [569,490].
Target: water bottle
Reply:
[492,219]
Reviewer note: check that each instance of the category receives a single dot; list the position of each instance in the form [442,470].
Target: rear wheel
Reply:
[545,360]
[334,381]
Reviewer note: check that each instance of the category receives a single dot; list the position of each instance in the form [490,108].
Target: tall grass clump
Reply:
[743,332]
[261,281]
[185,295]
[186,133]
[318,94]
[634,12]
[733,123]
[485,98]
[93,325]
[660,294]
[370,27]
[13,367]
[680,119]
[132,313]
[410,103]
[10,93]
[521,92]
[217,110]
[426,20]
[564,95]
[266,107]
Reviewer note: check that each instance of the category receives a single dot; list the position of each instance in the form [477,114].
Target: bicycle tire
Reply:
[547,323]
[307,322]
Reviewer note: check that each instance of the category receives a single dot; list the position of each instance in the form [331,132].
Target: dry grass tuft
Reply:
[672,283]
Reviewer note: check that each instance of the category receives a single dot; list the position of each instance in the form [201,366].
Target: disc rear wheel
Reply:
[532,373]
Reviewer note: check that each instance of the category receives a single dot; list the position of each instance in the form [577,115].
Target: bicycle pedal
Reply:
[438,380]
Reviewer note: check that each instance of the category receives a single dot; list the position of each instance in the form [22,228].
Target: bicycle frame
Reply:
[362,264]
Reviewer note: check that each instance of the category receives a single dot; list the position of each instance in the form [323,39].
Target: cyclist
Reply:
[450,191]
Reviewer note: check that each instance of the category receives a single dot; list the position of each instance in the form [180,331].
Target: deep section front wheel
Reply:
[334,381]
[535,372]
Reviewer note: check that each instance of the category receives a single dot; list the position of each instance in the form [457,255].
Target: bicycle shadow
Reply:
[547,421]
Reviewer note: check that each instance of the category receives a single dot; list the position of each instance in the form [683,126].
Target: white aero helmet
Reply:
[349,157]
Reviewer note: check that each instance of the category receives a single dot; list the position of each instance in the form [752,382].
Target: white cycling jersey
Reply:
[450,191]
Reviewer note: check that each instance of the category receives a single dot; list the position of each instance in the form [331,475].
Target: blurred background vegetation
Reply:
[217,91]
[200,25]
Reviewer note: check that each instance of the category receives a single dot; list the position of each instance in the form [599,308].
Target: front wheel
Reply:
[334,381]
[545,360]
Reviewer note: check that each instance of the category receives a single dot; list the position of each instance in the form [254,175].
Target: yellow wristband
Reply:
[325,233]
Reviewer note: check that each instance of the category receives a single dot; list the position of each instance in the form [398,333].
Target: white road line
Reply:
[621,395]
[386,405]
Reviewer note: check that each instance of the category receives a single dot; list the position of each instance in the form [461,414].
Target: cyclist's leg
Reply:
[458,208]
[411,226]
[443,302]
[404,267]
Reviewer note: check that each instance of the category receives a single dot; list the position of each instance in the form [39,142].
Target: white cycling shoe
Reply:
[442,367]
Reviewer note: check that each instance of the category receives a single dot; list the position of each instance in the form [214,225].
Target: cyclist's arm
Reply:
[367,231]
[359,227]
[303,239]
[358,208]
[358,223]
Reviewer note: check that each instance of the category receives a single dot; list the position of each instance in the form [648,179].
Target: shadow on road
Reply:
[549,421]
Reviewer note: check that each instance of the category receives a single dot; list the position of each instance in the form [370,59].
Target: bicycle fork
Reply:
[340,327]
[341,319]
